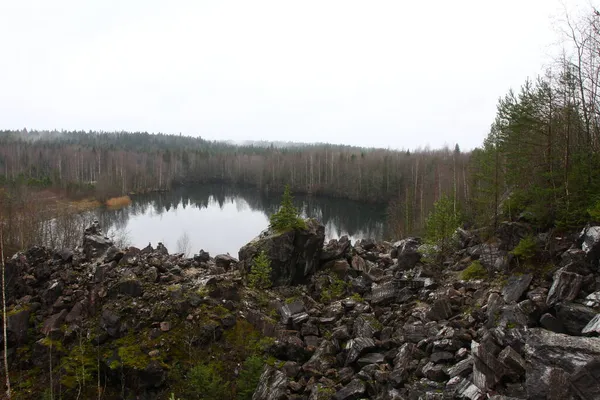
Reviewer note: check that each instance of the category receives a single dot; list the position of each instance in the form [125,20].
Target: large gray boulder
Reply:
[407,252]
[554,360]
[294,255]
[271,386]
[590,243]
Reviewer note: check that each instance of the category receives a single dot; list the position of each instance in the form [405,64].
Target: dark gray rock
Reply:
[462,368]
[384,294]
[224,261]
[371,358]
[357,347]
[512,360]
[552,357]
[566,287]
[511,233]
[130,287]
[271,386]
[295,254]
[94,242]
[441,356]
[551,323]
[592,327]
[590,243]
[366,326]
[440,310]
[354,390]
[287,311]
[53,323]
[336,249]
[586,381]
[574,317]
[407,252]
[487,369]
[322,359]
[202,256]
[18,324]
[435,372]
[516,287]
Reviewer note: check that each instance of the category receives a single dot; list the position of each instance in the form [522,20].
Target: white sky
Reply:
[398,74]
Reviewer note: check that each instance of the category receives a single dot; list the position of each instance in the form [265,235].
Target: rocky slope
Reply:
[373,320]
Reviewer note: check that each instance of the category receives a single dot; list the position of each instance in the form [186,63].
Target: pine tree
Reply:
[441,225]
[288,216]
[260,272]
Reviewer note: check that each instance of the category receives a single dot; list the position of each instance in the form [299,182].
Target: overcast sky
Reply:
[398,74]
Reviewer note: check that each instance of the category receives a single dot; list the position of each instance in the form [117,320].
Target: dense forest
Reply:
[111,164]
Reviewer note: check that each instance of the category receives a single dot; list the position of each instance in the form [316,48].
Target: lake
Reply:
[222,218]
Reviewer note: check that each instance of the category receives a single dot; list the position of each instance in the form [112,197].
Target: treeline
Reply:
[540,159]
[109,164]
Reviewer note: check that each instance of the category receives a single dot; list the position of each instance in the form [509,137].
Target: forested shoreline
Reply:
[539,161]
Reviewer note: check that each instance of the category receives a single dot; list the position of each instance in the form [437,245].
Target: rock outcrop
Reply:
[295,254]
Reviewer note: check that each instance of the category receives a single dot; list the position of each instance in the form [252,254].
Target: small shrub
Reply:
[594,212]
[260,272]
[357,297]
[474,271]
[204,381]
[333,289]
[288,216]
[249,377]
[525,250]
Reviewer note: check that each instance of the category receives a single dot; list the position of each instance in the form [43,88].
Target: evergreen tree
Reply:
[441,225]
[288,216]
[260,272]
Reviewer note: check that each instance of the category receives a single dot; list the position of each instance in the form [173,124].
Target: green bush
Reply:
[334,289]
[594,212]
[525,250]
[204,382]
[260,272]
[287,217]
[474,271]
[249,377]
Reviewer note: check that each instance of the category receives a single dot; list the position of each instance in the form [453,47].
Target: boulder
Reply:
[592,327]
[384,294]
[94,242]
[224,261]
[407,252]
[202,256]
[354,390]
[18,324]
[566,286]
[294,255]
[552,357]
[516,287]
[336,249]
[487,369]
[357,347]
[586,380]
[272,385]
[551,323]
[511,233]
[440,310]
[590,243]
[574,317]
[492,257]
[322,359]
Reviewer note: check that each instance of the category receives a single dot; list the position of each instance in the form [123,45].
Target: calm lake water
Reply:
[221,219]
